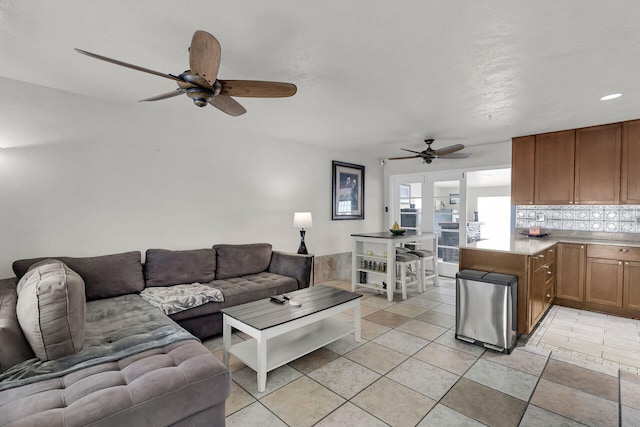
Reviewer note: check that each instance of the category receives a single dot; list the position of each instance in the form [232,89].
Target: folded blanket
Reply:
[115,328]
[172,299]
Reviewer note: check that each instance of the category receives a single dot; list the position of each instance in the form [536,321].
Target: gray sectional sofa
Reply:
[81,346]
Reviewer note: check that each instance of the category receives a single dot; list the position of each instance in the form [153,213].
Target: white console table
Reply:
[381,247]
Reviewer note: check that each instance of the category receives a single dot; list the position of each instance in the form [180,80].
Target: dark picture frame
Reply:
[347,190]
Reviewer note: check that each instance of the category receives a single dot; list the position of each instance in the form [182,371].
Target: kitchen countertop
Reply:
[518,244]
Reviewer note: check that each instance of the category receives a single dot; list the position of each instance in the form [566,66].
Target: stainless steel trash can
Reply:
[486,309]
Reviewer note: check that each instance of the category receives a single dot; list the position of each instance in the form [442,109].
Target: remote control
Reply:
[277,299]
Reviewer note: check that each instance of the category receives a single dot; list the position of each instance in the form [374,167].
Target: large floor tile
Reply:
[370,330]
[484,404]
[422,303]
[503,378]
[575,404]
[401,341]
[406,310]
[349,415]
[376,357]
[630,390]
[254,415]
[345,344]
[344,377]
[386,318]
[422,329]
[237,400]
[313,360]
[447,358]
[422,377]
[586,380]
[630,417]
[520,359]
[247,379]
[438,319]
[394,403]
[302,403]
[441,416]
[538,417]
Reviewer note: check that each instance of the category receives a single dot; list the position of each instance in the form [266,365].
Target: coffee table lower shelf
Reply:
[291,345]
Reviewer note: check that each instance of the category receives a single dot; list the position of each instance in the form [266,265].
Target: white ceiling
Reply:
[378,75]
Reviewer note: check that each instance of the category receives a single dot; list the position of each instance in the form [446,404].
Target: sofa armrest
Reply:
[293,265]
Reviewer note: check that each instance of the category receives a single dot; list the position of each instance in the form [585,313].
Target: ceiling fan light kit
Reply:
[428,155]
[201,83]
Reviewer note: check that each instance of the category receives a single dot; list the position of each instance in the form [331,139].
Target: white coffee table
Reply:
[282,332]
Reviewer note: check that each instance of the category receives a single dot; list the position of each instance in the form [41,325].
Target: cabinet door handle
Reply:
[551,250]
[626,263]
[541,256]
[619,262]
[624,250]
[549,273]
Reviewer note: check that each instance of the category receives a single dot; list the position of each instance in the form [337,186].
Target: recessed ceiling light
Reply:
[612,96]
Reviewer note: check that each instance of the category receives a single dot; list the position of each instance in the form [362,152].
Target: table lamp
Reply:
[302,220]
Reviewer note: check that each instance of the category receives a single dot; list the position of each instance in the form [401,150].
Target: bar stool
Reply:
[408,267]
[424,256]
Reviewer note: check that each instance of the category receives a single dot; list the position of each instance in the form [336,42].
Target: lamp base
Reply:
[302,250]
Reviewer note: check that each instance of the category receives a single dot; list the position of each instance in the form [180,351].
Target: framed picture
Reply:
[347,190]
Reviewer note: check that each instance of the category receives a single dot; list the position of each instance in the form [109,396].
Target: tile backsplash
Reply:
[612,219]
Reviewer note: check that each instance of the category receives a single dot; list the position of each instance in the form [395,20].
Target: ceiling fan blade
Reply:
[411,151]
[164,95]
[227,105]
[401,158]
[204,56]
[124,64]
[257,89]
[448,150]
[455,156]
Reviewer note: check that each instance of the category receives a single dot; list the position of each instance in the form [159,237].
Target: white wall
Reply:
[81,177]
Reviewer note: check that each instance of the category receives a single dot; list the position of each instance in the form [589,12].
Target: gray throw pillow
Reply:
[51,309]
[163,267]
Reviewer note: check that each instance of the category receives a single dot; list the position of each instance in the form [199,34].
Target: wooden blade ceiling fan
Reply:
[450,152]
[201,82]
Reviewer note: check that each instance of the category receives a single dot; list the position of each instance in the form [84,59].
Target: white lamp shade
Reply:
[302,220]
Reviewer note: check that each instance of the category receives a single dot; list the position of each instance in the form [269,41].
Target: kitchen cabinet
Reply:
[542,280]
[613,278]
[554,168]
[571,264]
[630,186]
[597,164]
[592,165]
[522,170]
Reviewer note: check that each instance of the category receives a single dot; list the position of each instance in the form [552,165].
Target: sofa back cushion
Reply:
[163,267]
[15,348]
[240,260]
[104,276]
[51,309]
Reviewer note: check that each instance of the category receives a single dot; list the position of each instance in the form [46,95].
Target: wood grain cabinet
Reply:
[592,165]
[542,284]
[571,264]
[613,277]
[630,186]
[597,164]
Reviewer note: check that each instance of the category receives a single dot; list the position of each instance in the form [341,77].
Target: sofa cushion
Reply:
[104,276]
[51,309]
[163,267]
[14,348]
[241,260]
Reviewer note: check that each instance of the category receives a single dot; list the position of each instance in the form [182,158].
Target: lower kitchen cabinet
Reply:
[604,281]
[542,282]
[571,264]
[631,293]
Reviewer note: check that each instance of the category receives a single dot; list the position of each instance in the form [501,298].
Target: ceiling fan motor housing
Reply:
[198,88]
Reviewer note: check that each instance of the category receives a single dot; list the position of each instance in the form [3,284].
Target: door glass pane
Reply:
[446,219]
[411,206]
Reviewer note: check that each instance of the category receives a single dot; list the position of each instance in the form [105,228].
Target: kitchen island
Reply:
[379,248]
[581,271]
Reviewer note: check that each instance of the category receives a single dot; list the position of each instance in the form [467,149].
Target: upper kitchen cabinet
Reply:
[591,166]
[630,191]
[554,168]
[522,170]
[597,164]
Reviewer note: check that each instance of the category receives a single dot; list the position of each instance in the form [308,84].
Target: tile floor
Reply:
[576,369]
